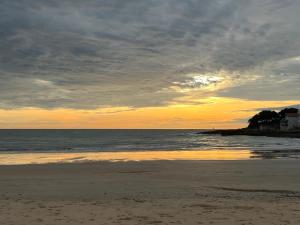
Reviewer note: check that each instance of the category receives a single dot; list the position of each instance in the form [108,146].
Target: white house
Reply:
[290,122]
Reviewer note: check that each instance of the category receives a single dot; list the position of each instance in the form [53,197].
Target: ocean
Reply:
[135,140]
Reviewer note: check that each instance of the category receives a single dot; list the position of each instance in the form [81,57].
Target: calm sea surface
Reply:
[69,146]
[135,140]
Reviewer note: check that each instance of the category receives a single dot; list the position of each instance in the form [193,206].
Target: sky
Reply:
[146,63]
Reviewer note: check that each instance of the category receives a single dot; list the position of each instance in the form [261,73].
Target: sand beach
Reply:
[152,192]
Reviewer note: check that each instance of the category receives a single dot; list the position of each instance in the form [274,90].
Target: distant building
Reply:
[268,125]
[290,122]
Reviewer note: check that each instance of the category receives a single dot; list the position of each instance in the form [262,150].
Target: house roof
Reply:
[292,115]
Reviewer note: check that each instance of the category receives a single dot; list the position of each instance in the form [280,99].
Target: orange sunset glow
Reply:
[213,113]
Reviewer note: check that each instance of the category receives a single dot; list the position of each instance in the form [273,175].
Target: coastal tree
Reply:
[271,117]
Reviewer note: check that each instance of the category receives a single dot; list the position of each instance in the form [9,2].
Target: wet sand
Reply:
[153,192]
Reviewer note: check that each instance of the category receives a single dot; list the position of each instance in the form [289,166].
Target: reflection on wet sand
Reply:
[10,158]
[276,154]
[14,158]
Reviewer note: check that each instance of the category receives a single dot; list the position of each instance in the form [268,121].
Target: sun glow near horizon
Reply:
[213,112]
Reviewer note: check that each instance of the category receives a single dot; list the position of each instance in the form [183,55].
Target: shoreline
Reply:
[27,158]
[251,132]
[20,158]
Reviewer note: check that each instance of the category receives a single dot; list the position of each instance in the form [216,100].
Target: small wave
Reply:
[134,140]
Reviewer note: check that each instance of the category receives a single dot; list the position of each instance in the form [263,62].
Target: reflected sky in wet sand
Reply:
[9,158]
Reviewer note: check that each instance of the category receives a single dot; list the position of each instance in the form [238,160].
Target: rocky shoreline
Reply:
[253,132]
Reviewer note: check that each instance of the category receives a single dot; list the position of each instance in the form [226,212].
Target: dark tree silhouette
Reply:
[270,117]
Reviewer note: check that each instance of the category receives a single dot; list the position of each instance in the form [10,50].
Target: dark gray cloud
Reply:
[266,88]
[95,53]
[276,108]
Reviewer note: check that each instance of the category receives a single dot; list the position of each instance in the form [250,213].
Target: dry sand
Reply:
[155,192]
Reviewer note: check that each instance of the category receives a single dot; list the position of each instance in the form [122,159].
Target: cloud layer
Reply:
[139,53]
